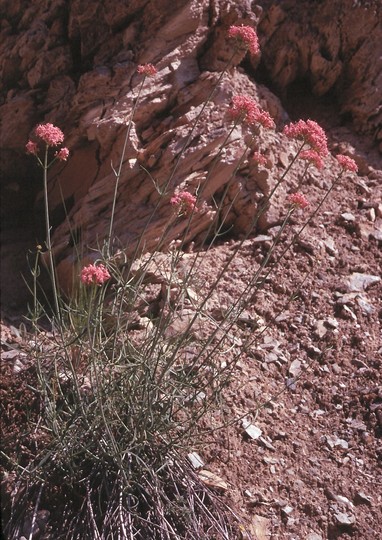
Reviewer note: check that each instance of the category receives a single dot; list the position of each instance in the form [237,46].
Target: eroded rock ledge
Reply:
[76,68]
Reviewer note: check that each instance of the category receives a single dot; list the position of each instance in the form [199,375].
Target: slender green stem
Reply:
[48,241]
[119,170]
[167,183]
[234,253]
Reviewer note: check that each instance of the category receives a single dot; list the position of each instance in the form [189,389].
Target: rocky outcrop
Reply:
[334,46]
[75,66]
[90,92]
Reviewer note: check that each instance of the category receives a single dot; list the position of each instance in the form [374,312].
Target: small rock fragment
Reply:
[270,461]
[271,357]
[252,431]
[347,313]
[335,441]
[346,298]
[287,510]
[332,323]
[270,343]
[359,363]
[195,460]
[347,216]
[192,295]
[10,355]
[378,414]
[366,437]
[330,246]
[361,282]
[366,307]
[361,498]
[295,368]
[361,184]
[291,384]
[314,351]
[370,214]
[308,246]
[212,480]
[259,528]
[344,519]
[321,329]
[357,424]
[266,443]
[369,229]
[18,366]
[377,234]
[15,332]
[343,500]
[261,238]
[314,536]
[282,317]
[284,159]
[374,407]
[317,413]
[336,369]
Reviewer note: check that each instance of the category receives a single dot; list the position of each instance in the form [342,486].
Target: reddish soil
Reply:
[312,382]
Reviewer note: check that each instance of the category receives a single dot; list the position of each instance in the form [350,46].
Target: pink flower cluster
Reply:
[31,147]
[311,133]
[63,154]
[147,69]
[94,275]
[258,157]
[313,157]
[242,108]
[347,163]
[245,109]
[51,136]
[246,38]
[184,202]
[298,199]
[265,119]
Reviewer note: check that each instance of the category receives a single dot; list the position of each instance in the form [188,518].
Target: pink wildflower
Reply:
[258,157]
[246,110]
[313,157]
[50,134]
[298,199]
[147,69]
[31,147]
[94,275]
[185,203]
[347,163]
[265,119]
[311,133]
[63,154]
[243,108]
[246,38]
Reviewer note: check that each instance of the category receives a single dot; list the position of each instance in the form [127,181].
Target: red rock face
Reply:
[334,46]
[75,65]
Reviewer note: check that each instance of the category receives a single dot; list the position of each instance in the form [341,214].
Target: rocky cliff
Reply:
[74,64]
[335,47]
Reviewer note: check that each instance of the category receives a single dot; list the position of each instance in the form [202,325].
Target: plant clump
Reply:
[133,366]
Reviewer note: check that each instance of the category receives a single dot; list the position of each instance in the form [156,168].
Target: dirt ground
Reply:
[307,464]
